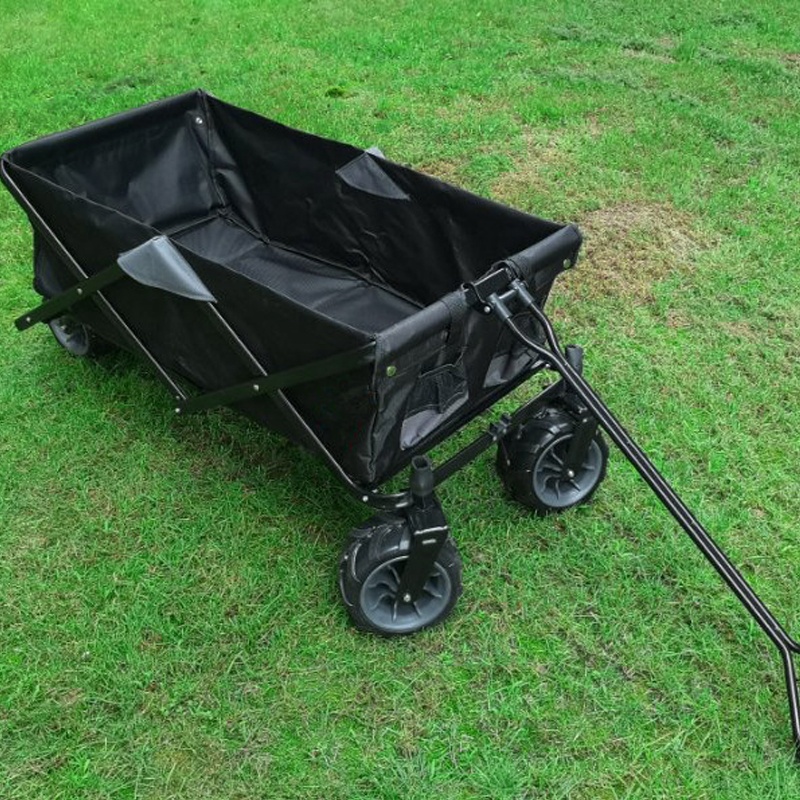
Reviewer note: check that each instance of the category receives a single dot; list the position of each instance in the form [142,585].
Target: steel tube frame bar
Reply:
[786,645]
[285,379]
[75,268]
[83,290]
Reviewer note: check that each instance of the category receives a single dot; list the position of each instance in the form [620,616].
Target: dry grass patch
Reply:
[447,171]
[628,248]
[649,55]
[791,60]
[538,152]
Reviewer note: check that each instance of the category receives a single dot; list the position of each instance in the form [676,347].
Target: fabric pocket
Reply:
[436,396]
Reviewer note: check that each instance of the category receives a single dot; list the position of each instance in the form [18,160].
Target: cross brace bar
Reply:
[56,306]
[269,384]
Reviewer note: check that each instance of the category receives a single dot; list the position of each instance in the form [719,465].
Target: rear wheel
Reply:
[370,571]
[531,462]
[77,338]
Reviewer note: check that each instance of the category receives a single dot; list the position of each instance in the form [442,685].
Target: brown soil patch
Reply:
[629,247]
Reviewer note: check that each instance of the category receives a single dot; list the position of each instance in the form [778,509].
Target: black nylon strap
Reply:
[456,303]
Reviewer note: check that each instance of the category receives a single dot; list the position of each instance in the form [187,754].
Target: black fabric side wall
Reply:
[425,246]
[154,167]
[114,184]
[282,335]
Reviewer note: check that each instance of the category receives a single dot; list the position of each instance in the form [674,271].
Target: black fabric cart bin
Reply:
[360,308]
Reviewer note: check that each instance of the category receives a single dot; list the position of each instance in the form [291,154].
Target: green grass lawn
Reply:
[169,615]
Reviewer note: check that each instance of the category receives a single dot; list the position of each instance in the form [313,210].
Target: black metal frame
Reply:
[493,293]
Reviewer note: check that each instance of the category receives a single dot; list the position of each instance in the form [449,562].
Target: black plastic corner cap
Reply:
[158,263]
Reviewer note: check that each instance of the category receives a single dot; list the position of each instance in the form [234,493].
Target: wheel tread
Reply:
[518,454]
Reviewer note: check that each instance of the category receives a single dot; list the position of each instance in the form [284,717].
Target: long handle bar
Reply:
[551,351]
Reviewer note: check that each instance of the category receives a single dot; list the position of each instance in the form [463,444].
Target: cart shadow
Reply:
[222,447]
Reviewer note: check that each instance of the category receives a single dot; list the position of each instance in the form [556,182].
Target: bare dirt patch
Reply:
[628,248]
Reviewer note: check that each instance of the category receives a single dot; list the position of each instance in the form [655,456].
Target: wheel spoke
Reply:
[382,581]
[432,591]
[554,468]
[395,575]
[383,596]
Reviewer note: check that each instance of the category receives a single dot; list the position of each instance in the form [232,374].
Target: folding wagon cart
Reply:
[360,308]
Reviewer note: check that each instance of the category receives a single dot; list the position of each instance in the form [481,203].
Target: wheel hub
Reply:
[71,334]
[393,614]
[560,487]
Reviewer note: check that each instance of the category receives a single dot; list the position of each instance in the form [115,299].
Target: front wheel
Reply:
[370,571]
[531,462]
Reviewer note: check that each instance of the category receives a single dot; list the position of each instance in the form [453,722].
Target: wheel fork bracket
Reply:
[579,445]
[429,531]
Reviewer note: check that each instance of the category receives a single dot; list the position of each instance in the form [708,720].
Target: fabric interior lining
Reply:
[333,292]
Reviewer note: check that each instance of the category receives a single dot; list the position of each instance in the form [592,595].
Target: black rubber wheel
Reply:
[78,339]
[370,569]
[530,462]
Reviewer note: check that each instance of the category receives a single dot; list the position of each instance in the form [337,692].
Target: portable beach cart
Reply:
[360,308]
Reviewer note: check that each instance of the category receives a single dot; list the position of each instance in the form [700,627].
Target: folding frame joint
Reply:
[54,307]
[479,292]
[499,428]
